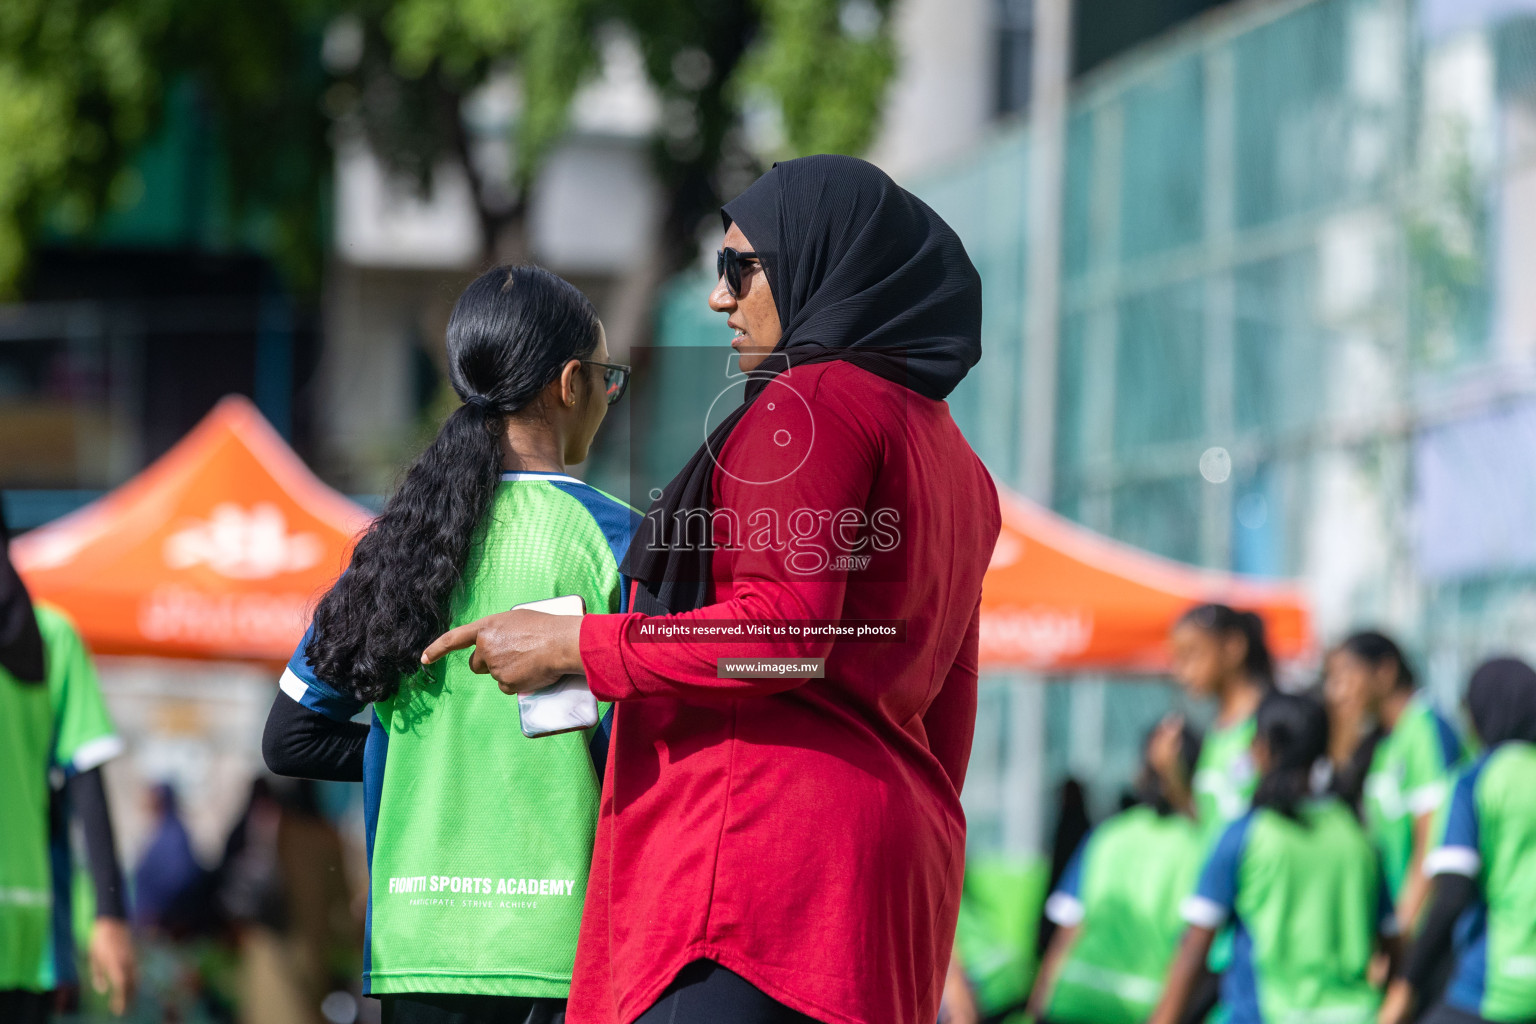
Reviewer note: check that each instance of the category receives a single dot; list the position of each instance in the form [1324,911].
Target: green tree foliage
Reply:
[827,66]
[79,86]
[822,65]
[83,84]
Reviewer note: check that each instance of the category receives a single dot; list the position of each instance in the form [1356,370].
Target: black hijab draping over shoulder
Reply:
[862,271]
[21,645]
[1502,700]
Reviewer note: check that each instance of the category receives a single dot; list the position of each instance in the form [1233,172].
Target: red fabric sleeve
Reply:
[950,720]
[837,473]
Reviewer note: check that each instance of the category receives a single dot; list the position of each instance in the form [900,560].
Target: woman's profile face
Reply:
[1197,660]
[591,403]
[1263,757]
[1347,684]
[752,314]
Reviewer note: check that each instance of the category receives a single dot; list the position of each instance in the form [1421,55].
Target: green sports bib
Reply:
[61,724]
[1410,775]
[479,838]
[1123,891]
[1490,836]
[1305,901]
[1224,778]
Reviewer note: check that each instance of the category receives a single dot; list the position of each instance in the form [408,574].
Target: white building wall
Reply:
[594,207]
[1514,327]
[940,105]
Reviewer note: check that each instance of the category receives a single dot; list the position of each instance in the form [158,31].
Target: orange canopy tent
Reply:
[1059,598]
[217,550]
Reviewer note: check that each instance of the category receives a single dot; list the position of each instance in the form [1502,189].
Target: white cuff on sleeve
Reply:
[1427,799]
[1203,913]
[1453,860]
[292,685]
[97,752]
[1064,910]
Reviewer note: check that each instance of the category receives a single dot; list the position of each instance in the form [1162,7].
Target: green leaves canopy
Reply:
[84,85]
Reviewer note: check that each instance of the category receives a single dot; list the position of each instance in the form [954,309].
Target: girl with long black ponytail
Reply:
[1290,743]
[1116,907]
[1219,653]
[1298,882]
[1395,757]
[1355,674]
[479,838]
[1480,921]
[511,334]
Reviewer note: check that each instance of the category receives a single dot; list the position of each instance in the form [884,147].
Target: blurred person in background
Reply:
[176,917]
[1117,907]
[53,726]
[1483,902]
[479,838]
[285,890]
[324,936]
[254,901]
[243,877]
[169,881]
[1218,653]
[958,1006]
[970,996]
[1404,763]
[1073,824]
[1300,884]
[792,849]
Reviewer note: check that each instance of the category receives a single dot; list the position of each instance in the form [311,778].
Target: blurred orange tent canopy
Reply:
[1060,598]
[217,550]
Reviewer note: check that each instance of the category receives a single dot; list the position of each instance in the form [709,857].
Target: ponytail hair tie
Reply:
[482,405]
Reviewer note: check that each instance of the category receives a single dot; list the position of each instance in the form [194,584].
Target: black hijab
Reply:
[1502,700]
[861,270]
[21,645]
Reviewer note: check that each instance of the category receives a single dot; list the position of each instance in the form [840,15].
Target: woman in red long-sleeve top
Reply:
[792,849]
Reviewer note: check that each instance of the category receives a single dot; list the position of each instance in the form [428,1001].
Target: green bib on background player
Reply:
[1306,901]
[1490,836]
[1223,784]
[1410,775]
[480,839]
[1224,778]
[1123,890]
[62,724]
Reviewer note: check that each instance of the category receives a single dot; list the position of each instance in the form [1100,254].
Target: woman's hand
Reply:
[1163,753]
[959,1003]
[1398,1004]
[1164,749]
[1194,950]
[114,970]
[522,650]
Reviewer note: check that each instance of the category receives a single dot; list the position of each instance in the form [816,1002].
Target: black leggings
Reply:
[706,993]
[429,1008]
[1443,1014]
[21,1007]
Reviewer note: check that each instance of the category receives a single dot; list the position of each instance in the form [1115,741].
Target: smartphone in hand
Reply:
[566,705]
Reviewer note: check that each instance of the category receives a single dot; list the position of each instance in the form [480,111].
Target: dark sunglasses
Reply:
[615,378]
[728,264]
